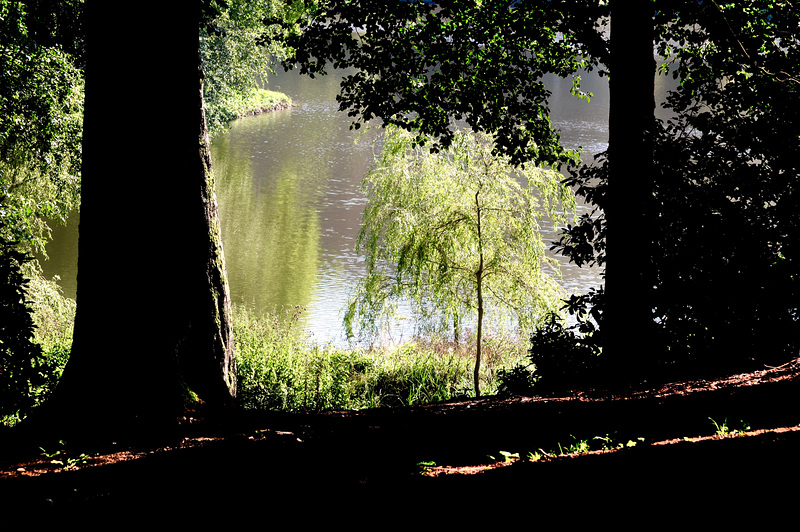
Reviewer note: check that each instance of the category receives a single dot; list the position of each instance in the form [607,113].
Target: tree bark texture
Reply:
[153,304]
[627,320]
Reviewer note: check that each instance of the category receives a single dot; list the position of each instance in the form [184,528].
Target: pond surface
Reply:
[288,187]
[288,191]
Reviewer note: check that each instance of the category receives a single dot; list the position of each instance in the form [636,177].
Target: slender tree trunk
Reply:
[152,326]
[627,320]
[479,339]
[479,288]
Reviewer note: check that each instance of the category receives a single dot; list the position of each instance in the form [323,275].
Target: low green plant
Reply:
[559,358]
[233,105]
[607,443]
[576,447]
[64,459]
[722,429]
[634,443]
[425,466]
[535,456]
[506,457]
[21,359]
[579,446]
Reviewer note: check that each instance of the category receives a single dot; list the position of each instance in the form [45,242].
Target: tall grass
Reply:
[279,370]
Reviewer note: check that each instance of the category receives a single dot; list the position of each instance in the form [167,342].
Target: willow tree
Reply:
[456,233]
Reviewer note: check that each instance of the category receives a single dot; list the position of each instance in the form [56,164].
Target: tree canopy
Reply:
[41,112]
[422,66]
[240,42]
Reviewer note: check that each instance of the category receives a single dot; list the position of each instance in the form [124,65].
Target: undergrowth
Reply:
[53,317]
[278,369]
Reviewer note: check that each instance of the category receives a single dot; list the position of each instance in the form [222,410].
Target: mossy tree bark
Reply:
[152,325]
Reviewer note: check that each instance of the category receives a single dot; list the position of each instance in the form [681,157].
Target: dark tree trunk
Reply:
[152,325]
[627,320]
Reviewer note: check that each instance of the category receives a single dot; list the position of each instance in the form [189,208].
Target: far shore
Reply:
[264,101]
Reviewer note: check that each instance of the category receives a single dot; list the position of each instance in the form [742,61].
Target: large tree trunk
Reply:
[152,325]
[627,320]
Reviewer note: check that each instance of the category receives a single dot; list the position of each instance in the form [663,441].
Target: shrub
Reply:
[560,359]
[20,358]
[35,335]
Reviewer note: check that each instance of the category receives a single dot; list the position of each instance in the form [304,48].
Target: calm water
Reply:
[288,191]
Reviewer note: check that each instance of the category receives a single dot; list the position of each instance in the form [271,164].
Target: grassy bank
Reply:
[258,101]
[279,370]
[222,111]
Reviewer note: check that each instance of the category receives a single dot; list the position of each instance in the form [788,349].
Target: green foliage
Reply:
[724,218]
[41,112]
[276,370]
[423,64]
[425,466]
[583,446]
[432,217]
[254,101]
[562,360]
[279,370]
[722,429]
[454,233]
[727,194]
[65,459]
[723,222]
[576,447]
[20,358]
[35,336]
[241,43]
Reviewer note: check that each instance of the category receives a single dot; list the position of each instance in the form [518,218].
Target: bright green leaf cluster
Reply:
[41,114]
[238,51]
[438,224]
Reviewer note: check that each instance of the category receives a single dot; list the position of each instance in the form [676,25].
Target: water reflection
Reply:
[290,204]
[288,187]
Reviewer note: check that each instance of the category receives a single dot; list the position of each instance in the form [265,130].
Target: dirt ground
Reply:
[452,462]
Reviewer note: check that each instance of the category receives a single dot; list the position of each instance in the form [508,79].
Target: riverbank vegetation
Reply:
[239,47]
[253,102]
[279,369]
[41,117]
[725,196]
